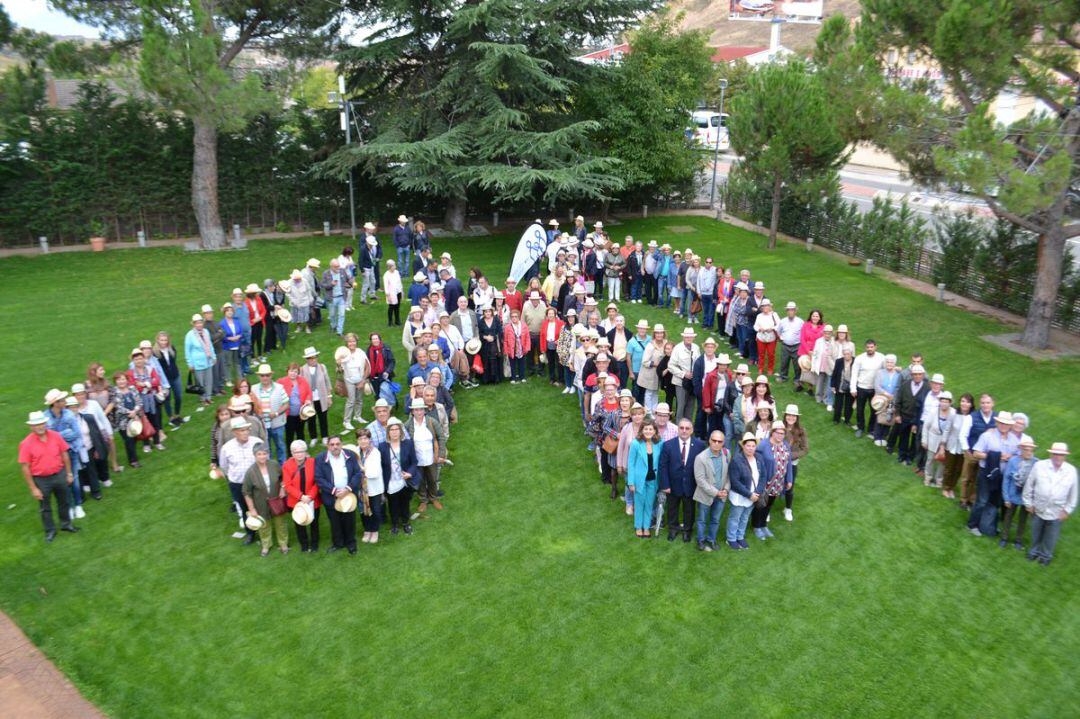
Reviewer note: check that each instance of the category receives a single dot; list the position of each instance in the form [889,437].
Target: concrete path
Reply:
[30,686]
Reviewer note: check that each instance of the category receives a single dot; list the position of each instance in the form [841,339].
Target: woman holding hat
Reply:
[747,473]
[127,406]
[261,482]
[822,361]
[400,473]
[321,396]
[886,385]
[381,363]
[301,298]
[1050,496]
[256,312]
[796,437]
[414,324]
[938,434]
[776,451]
[604,426]
[146,382]
[395,291]
[356,368]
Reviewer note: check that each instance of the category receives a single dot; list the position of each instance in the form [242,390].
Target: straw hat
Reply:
[215,474]
[134,428]
[54,395]
[417,382]
[747,437]
[402,218]
[689,332]
[938,377]
[254,523]
[264,369]
[1004,418]
[762,379]
[341,354]
[1025,441]
[658,328]
[759,285]
[662,408]
[71,402]
[303,514]
[553,222]
[314,262]
[369,225]
[945,394]
[473,345]
[723,359]
[36,418]
[417,403]
[626,393]
[791,306]
[792,409]
[1058,448]
[766,301]
[918,369]
[310,352]
[878,402]
[307,411]
[196,318]
[805,363]
[598,225]
[743,368]
[284,315]
[380,402]
[445,256]
[710,341]
[778,424]
[619,353]
[747,380]
[78,388]
[239,403]
[345,503]
[842,328]
[252,288]
[828,328]
[239,423]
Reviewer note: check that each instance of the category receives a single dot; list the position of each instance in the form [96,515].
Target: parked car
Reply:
[706,125]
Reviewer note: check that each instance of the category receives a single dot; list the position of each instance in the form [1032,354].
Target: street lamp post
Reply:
[716,153]
[345,113]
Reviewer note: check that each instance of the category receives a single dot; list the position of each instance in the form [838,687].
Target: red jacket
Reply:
[515,300]
[255,306]
[559,324]
[509,347]
[708,389]
[290,480]
[305,388]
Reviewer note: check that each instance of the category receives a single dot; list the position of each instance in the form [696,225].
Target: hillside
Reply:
[712,15]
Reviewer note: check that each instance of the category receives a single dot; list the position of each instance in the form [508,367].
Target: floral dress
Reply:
[781,454]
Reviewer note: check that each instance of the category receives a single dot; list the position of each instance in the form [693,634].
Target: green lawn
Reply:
[529,596]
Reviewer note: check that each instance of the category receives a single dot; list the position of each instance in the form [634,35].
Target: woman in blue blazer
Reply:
[747,474]
[642,473]
[401,474]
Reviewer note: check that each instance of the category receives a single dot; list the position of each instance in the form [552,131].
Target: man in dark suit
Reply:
[337,473]
[677,478]
[452,289]
[909,407]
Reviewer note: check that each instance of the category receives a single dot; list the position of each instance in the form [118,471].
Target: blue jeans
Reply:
[635,287]
[404,261]
[708,311]
[663,297]
[172,399]
[745,335]
[337,314]
[276,437]
[568,377]
[736,522]
[710,513]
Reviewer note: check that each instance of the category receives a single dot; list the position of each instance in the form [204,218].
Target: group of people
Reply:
[684,428]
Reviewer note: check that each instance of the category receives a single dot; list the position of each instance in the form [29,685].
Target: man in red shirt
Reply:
[46,467]
[515,300]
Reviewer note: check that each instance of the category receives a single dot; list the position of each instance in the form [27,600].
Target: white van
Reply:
[706,124]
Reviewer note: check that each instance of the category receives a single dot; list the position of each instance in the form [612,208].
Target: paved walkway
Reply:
[30,686]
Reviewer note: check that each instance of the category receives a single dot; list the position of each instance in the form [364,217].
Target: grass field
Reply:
[529,596]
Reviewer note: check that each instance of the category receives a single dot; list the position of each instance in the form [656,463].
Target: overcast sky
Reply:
[37,15]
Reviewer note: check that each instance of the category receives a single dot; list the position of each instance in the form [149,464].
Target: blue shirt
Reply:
[417,371]
[717,468]
[635,348]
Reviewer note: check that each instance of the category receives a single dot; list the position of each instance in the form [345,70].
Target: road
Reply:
[861,185]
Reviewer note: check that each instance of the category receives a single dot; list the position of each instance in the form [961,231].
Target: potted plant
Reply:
[97,235]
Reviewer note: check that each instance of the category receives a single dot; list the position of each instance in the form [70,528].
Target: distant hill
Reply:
[712,15]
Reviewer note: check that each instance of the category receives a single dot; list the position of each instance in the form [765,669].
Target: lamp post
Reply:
[716,152]
[345,113]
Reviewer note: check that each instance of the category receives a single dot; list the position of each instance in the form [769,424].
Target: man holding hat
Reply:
[46,467]
[337,472]
[366,264]
[200,356]
[371,241]
[929,413]
[1050,497]
[403,241]
[235,459]
[909,402]
[993,450]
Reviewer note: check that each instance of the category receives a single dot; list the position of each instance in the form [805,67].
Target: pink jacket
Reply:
[516,349]
[808,337]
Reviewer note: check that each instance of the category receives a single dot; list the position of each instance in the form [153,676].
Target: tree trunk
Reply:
[774,221]
[1047,282]
[454,219]
[204,185]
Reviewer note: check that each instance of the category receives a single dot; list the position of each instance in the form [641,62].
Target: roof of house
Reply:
[730,53]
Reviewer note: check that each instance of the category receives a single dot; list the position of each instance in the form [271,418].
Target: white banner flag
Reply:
[530,248]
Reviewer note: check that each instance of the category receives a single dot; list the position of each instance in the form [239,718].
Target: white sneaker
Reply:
[107,483]
[324,440]
[788,515]
[629,509]
[79,512]
[146,449]
[513,381]
[348,425]
[828,408]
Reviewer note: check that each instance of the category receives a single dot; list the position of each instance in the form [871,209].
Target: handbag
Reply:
[762,501]
[277,506]
[339,387]
[611,444]
[193,387]
[695,306]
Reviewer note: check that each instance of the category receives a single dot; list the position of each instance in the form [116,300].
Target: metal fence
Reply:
[841,233]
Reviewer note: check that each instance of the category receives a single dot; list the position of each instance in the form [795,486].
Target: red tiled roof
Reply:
[728,53]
